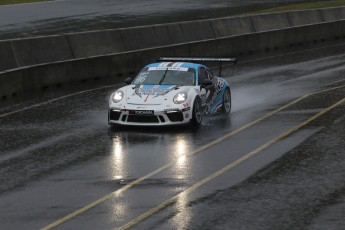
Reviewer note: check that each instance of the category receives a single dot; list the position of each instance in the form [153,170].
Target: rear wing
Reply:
[200,59]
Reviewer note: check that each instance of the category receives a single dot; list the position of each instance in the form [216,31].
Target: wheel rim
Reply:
[227,101]
[197,110]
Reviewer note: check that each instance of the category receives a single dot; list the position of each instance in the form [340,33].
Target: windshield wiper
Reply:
[165,73]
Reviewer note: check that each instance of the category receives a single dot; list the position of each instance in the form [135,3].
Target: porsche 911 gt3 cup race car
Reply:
[169,92]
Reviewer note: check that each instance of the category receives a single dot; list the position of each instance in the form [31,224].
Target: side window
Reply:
[202,75]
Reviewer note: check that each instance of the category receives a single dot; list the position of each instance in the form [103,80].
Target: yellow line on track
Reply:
[227,168]
[210,144]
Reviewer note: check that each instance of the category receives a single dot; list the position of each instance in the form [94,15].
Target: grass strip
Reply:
[304,6]
[10,2]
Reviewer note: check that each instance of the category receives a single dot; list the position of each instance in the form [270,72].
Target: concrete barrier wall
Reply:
[333,14]
[123,64]
[33,51]
[265,22]
[198,30]
[140,38]
[298,18]
[224,27]
[95,43]
[7,60]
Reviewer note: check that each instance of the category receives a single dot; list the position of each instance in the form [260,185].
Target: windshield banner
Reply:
[168,68]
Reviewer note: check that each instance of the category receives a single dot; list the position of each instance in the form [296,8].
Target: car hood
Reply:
[150,94]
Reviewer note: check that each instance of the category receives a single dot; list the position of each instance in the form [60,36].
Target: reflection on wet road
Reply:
[61,160]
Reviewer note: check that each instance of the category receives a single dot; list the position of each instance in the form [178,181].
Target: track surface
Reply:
[282,148]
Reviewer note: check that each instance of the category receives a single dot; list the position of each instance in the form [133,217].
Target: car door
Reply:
[208,92]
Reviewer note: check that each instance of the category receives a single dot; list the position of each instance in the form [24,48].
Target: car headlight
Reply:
[117,96]
[180,98]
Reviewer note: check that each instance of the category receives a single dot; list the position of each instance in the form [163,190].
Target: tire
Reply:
[197,113]
[226,103]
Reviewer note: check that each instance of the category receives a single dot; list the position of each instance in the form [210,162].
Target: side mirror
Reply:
[128,80]
[206,83]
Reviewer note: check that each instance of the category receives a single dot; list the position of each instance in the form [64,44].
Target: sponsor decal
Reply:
[168,68]
[186,115]
[172,109]
[217,107]
[213,100]
[156,91]
[151,92]
[141,112]
[163,92]
[186,105]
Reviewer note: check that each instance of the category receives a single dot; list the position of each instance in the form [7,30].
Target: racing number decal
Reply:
[219,85]
[212,92]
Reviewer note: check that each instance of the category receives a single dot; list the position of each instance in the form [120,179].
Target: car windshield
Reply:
[165,76]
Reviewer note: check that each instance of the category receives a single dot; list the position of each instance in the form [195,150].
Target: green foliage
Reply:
[305,6]
[9,2]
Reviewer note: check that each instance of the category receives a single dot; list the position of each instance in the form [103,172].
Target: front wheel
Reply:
[197,113]
[226,104]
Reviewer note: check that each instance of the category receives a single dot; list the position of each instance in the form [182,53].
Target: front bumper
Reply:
[140,118]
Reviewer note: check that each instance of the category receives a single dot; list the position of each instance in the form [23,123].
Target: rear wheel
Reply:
[226,104]
[197,113]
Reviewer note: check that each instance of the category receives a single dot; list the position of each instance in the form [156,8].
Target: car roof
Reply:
[176,64]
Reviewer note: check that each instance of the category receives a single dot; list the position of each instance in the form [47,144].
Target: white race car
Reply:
[169,92]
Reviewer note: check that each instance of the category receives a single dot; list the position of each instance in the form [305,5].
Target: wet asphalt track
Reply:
[60,156]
